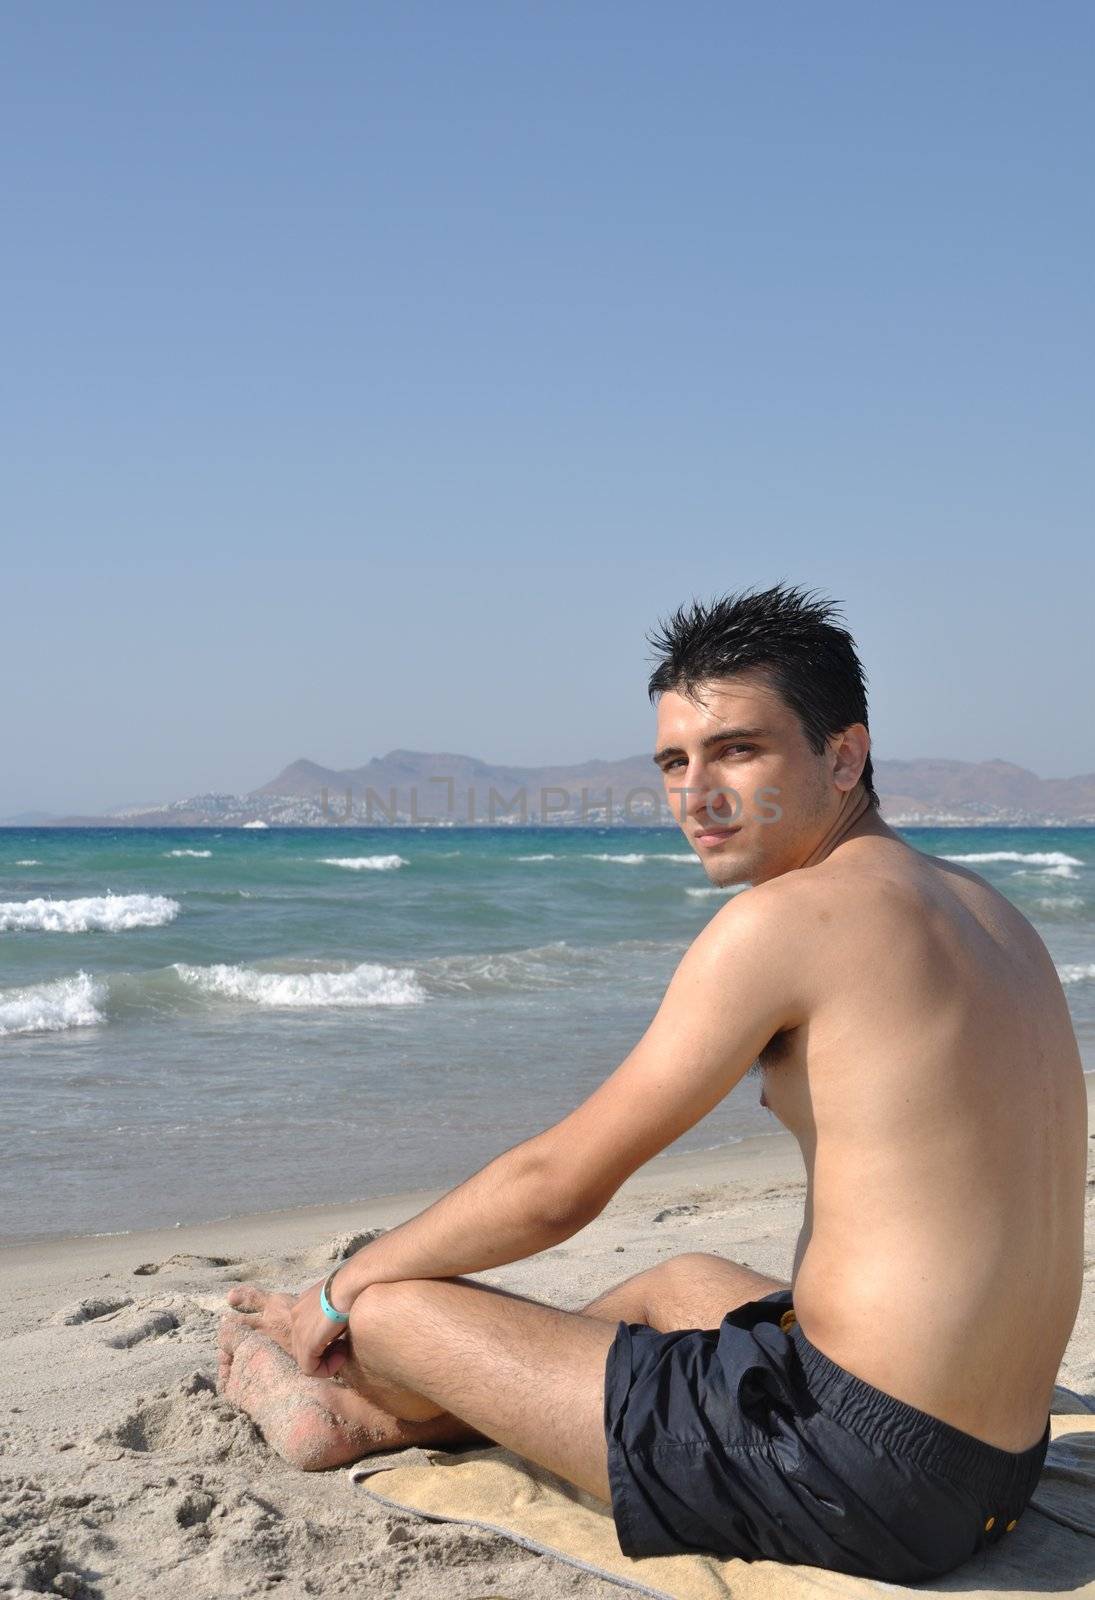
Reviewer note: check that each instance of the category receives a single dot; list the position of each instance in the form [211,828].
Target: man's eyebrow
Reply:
[712,738]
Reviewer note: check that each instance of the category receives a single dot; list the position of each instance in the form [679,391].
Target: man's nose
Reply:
[705,797]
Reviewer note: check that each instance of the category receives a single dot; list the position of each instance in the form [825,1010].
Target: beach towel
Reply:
[1051,1550]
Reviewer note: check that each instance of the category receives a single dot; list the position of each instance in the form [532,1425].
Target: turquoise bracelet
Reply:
[325,1305]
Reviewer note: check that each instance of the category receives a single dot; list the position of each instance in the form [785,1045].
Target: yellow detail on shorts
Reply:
[787,1318]
[989,1523]
[1011,1524]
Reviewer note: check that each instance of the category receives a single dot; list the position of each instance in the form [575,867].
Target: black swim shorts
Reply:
[745,1440]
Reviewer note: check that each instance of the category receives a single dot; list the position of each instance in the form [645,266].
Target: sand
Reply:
[125,1474]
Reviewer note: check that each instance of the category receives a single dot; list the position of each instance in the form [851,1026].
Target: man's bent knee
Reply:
[697,1289]
[378,1304]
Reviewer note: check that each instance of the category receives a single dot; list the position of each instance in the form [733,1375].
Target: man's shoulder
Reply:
[759,951]
[777,901]
[781,916]
[796,910]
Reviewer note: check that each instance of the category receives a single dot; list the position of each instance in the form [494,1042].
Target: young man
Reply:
[886,1411]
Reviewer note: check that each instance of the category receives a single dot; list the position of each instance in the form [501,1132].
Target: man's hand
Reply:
[318,1344]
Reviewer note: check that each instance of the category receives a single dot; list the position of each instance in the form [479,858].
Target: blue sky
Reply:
[379,373]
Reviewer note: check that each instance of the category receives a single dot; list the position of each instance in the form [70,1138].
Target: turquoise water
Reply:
[196,1024]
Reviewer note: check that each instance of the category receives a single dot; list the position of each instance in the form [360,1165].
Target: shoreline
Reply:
[688,1168]
[301,1224]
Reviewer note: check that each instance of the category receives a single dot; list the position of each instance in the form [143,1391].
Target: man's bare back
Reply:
[937,1095]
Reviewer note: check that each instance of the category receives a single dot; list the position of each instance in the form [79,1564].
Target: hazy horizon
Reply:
[349,766]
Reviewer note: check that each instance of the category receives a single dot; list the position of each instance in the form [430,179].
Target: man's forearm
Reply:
[498,1215]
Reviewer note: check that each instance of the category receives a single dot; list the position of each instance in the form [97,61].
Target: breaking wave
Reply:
[1059,871]
[1037,858]
[108,913]
[365,985]
[733,888]
[198,854]
[52,1007]
[1076,971]
[365,863]
[635,860]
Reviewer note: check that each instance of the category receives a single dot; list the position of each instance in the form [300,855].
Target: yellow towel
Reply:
[1050,1550]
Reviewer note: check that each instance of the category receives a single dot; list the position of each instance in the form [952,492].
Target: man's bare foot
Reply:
[311,1422]
[265,1310]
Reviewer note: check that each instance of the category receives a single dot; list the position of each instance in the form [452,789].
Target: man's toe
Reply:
[248,1297]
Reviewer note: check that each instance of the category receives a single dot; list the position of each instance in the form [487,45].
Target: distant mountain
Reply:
[982,791]
[407,787]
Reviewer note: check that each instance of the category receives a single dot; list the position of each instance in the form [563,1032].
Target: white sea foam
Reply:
[365,863]
[30,862]
[1037,858]
[1044,872]
[733,888]
[548,857]
[366,985]
[108,913]
[52,1007]
[197,854]
[256,824]
[1076,971]
[1060,902]
[634,860]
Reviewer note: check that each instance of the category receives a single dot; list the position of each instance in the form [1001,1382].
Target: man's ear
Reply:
[850,750]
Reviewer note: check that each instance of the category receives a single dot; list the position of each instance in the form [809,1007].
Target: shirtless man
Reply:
[886,1411]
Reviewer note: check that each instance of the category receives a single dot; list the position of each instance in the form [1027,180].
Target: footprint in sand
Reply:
[184,1262]
[340,1247]
[93,1310]
[136,1329]
[129,1322]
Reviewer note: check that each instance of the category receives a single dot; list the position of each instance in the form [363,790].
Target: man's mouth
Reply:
[714,836]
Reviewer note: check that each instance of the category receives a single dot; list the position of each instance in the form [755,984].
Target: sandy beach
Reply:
[125,1474]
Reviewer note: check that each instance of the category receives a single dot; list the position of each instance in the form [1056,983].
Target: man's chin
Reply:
[725,875]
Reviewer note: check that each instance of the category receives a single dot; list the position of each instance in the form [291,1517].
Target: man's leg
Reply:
[440,1364]
[687,1291]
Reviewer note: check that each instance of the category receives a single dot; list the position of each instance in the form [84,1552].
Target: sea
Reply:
[197,1025]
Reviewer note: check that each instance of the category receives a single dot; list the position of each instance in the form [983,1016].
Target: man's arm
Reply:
[502,1213]
[739,983]
[743,980]
[498,1215]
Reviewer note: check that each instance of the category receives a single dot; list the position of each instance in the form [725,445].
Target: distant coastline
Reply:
[413,789]
[108,823]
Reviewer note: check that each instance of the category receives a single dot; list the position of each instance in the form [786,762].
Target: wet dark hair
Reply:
[794,639]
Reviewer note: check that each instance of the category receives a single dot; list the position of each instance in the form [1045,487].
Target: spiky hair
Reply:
[784,632]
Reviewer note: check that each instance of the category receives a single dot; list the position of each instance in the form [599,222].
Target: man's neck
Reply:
[857,818]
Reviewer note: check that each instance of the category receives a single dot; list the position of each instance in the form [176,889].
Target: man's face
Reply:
[736,738]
